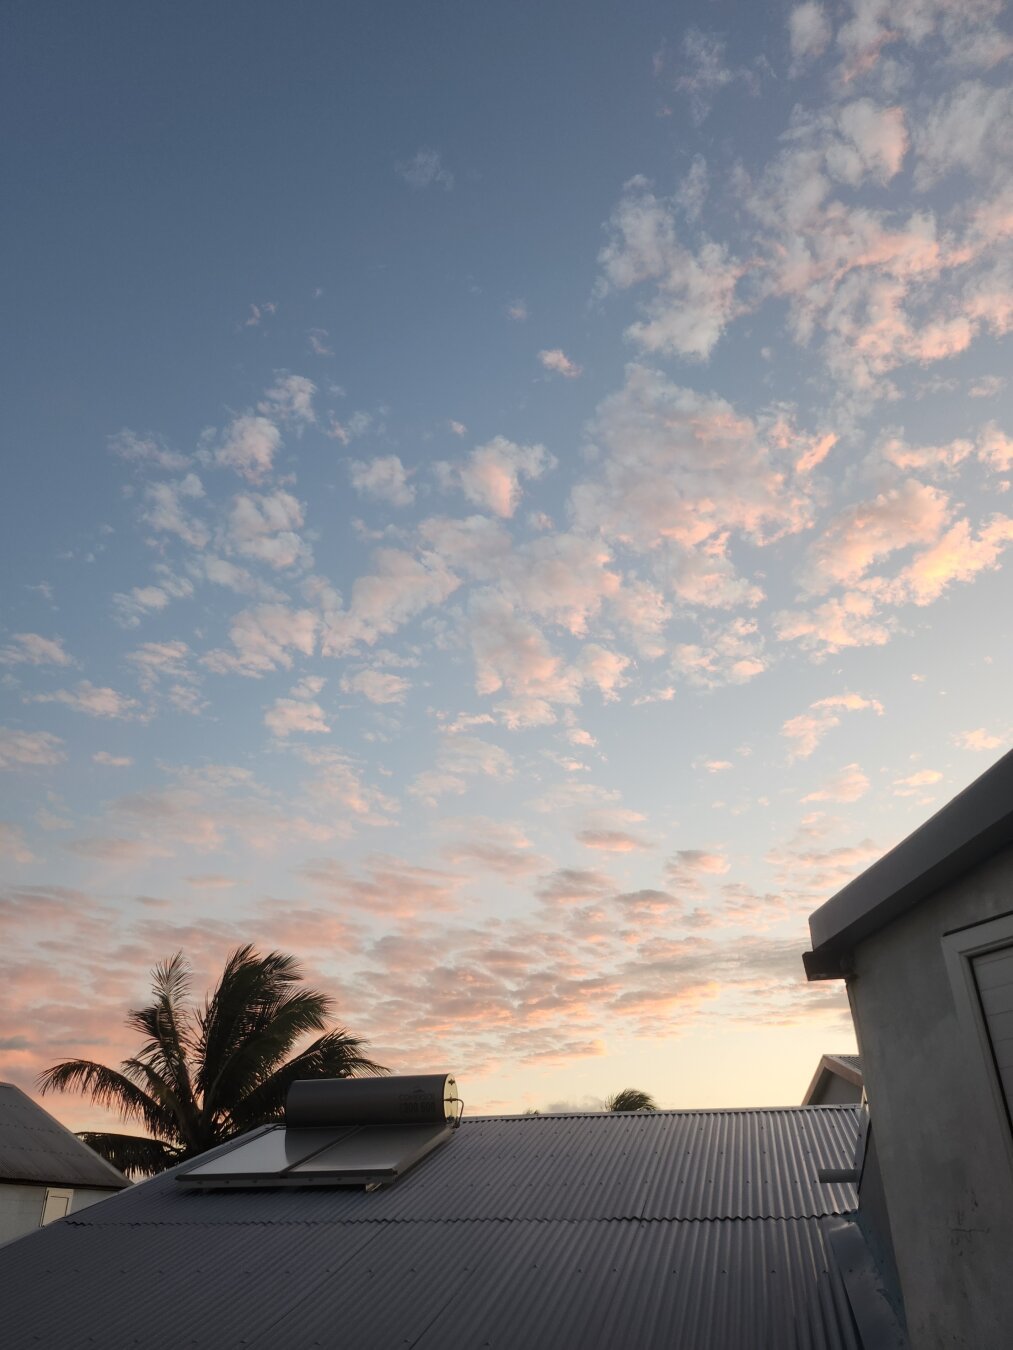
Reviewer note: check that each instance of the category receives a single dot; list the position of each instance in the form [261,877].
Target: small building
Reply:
[45,1171]
[836,1082]
[924,941]
[706,1230]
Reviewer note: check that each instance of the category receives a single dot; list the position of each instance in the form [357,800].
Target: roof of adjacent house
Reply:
[848,1067]
[974,825]
[643,1229]
[37,1149]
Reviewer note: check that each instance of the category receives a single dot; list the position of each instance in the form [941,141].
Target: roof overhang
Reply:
[974,825]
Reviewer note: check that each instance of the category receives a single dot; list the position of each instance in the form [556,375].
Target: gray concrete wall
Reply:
[21,1206]
[837,1091]
[943,1143]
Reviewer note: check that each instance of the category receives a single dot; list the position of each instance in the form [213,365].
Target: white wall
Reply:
[944,1145]
[21,1206]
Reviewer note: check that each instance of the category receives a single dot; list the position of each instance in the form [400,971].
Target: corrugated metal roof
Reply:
[36,1148]
[664,1165]
[695,1229]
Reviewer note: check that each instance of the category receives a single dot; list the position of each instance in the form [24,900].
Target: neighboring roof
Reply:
[848,1067]
[34,1147]
[646,1229]
[974,825]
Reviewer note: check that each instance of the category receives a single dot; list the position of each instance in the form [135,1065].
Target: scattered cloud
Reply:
[558,363]
[978,739]
[35,650]
[915,784]
[377,686]
[491,476]
[425,169]
[111,761]
[95,700]
[13,844]
[249,446]
[805,731]
[299,712]
[847,785]
[384,479]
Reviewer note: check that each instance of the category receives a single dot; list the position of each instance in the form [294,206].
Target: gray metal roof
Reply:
[650,1229]
[36,1148]
[977,823]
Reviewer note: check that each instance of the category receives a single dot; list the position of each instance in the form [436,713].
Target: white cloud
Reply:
[978,739]
[557,361]
[861,535]
[146,450]
[263,639]
[846,786]
[111,761]
[290,399]
[377,686]
[424,169]
[733,654]
[491,475]
[95,700]
[685,467]
[694,296]
[705,71]
[155,661]
[384,479]
[970,128]
[517,310]
[265,527]
[809,31]
[13,844]
[164,510]
[29,747]
[805,731]
[400,587]
[299,712]
[915,784]
[249,447]
[34,649]
[130,607]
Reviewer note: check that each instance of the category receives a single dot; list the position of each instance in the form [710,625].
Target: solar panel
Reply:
[340,1132]
[362,1155]
[268,1154]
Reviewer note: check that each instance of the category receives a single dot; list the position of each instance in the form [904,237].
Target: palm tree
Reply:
[205,1074]
[631,1099]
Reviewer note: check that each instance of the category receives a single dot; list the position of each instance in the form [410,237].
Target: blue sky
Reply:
[509,508]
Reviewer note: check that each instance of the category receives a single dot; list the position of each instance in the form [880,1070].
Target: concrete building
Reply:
[45,1171]
[836,1082]
[924,942]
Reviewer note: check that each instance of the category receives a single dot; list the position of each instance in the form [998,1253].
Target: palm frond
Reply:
[108,1088]
[336,1055]
[631,1099]
[131,1153]
[249,994]
[270,1037]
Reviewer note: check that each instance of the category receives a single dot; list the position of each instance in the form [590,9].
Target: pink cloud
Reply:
[848,785]
[35,650]
[491,475]
[557,362]
[19,748]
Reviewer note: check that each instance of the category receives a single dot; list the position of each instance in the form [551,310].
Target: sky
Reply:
[508,504]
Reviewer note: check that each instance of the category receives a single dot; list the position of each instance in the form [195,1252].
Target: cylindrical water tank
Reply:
[422,1099]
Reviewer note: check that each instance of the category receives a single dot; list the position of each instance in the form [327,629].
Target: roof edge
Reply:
[977,823]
